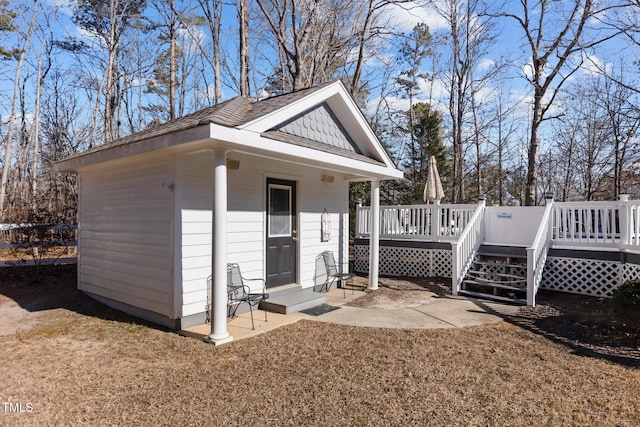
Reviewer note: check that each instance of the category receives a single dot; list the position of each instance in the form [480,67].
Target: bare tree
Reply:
[370,25]
[566,139]
[556,33]
[468,39]
[243,20]
[312,38]
[503,132]
[6,166]
[213,16]
[108,20]
[623,119]
[600,121]
[43,69]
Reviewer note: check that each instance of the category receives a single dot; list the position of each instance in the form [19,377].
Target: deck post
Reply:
[374,236]
[624,220]
[219,333]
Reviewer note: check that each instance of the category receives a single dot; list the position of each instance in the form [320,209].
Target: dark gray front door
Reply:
[281,232]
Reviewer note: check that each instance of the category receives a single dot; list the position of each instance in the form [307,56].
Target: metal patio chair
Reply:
[327,273]
[239,292]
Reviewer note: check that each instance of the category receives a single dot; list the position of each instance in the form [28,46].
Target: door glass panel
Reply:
[279,211]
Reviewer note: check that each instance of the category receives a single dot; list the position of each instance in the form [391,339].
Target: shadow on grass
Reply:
[584,324]
[49,287]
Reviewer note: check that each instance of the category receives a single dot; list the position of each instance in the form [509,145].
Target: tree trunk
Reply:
[364,35]
[217,23]
[532,157]
[16,90]
[243,12]
[172,62]
[109,95]
[41,75]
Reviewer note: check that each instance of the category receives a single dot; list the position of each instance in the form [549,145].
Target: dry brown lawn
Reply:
[72,361]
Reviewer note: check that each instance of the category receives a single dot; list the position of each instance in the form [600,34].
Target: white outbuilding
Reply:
[246,182]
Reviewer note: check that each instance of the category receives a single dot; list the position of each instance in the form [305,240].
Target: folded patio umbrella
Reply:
[433,191]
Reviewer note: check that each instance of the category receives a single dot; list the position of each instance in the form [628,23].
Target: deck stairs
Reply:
[498,273]
[292,299]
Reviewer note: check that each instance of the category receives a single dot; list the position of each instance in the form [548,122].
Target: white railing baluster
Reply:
[416,222]
[587,225]
[605,226]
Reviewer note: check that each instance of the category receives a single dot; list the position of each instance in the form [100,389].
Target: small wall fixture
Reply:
[327,178]
[233,164]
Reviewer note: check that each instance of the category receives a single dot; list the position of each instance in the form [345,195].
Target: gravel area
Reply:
[72,361]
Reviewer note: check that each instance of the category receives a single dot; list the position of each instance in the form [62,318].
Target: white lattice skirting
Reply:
[409,262]
[592,277]
[586,276]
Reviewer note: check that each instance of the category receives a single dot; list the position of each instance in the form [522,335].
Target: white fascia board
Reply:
[359,126]
[271,120]
[171,140]
[342,104]
[255,144]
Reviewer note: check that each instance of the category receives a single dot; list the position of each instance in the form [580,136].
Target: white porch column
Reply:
[374,236]
[219,333]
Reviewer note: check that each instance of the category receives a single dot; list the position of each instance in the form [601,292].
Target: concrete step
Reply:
[292,300]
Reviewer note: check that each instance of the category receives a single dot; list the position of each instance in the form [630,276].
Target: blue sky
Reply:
[404,19]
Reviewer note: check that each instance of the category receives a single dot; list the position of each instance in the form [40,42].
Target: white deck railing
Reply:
[607,226]
[537,253]
[465,247]
[416,222]
[588,224]
[594,226]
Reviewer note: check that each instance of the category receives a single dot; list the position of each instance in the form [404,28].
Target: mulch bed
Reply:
[591,326]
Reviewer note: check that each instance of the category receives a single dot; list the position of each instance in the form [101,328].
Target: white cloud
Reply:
[592,65]
[407,15]
[486,64]
[191,39]
[63,6]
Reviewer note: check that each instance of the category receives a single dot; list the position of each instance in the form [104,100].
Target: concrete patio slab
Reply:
[435,312]
[239,327]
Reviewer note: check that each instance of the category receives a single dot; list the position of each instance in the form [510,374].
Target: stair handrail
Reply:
[537,253]
[464,249]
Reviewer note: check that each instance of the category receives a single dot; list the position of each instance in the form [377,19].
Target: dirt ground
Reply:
[68,360]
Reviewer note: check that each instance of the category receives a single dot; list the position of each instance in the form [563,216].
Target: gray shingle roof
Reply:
[231,113]
[238,111]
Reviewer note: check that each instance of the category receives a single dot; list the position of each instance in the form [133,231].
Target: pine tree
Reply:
[427,130]
[6,26]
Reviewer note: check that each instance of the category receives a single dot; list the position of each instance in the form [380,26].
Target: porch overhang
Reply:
[256,144]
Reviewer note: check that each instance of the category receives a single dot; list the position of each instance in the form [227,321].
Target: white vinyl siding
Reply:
[315,197]
[125,234]
[246,220]
[194,185]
